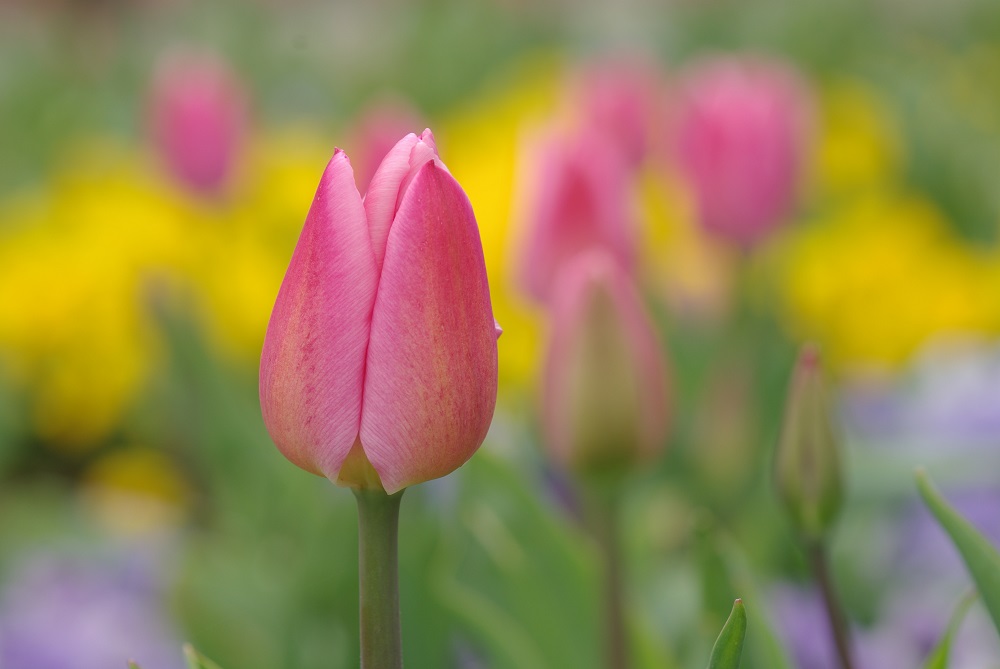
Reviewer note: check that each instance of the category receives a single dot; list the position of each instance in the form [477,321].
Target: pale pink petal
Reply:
[389,183]
[431,383]
[313,362]
[383,191]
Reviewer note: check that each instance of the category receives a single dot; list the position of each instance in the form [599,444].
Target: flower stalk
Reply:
[378,573]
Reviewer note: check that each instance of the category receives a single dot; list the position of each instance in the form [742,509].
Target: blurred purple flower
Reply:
[73,613]
[950,397]
[802,626]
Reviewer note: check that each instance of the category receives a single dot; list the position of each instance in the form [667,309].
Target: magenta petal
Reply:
[431,382]
[313,364]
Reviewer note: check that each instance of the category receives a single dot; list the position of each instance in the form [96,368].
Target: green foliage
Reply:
[728,647]
[938,659]
[981,559]
[196,660]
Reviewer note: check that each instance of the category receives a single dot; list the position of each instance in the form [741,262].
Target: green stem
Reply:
[834,612]
[604,508]
[378,531]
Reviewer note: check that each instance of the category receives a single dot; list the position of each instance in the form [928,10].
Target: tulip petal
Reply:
[390,181]
[313,363]
[431,381]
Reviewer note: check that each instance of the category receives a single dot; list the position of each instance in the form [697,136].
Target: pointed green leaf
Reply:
[939,658]
[196,660]
[728,647]
[981,559]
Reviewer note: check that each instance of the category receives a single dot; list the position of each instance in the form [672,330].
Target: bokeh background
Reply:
[157,160]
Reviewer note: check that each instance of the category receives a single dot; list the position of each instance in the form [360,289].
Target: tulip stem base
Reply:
[378,571]
[818,562]
[604,508]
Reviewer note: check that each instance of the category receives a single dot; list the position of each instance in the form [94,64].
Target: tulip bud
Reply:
[379,367]
[740,133]
[605,396]
[198,119]
[579,201]
[807,472]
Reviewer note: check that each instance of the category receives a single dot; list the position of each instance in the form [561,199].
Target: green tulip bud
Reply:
[807,472]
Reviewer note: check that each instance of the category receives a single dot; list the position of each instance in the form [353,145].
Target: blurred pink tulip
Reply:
[605,401]
[578,199]
[621,98]
[741,130]
[377,129]
[198,119]
[379,366]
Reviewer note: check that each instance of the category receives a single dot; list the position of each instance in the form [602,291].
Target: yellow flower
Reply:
[879,277]
[135,490]
[79,261]
[858,146]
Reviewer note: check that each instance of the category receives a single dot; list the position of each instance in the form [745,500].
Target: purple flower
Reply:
[74,613]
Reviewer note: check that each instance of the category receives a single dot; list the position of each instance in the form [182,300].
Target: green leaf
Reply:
[132,665]
[196,660]
[939,658]
[728,647]
[981,558]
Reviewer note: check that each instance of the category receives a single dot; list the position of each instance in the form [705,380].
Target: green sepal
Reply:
[728,647]
[981,558]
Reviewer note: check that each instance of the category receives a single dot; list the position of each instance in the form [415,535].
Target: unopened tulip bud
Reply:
[740,133]
[577,200]
[807,472]
[605,402]
[198,119]
[379,367]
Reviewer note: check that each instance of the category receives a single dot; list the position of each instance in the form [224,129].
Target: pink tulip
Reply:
[740,129]
[605,401]
[379,365]
[377,130]
[621,98]
[198,119]
[579,200]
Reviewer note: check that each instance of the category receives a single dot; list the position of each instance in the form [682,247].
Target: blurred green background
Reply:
[142,503]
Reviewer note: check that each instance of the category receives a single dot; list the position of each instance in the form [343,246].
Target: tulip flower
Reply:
[605,397]
[377,129]
[620,98]
[807,471]
[740,134]
[198,119]
[808,479]
[379,367]
[577,199]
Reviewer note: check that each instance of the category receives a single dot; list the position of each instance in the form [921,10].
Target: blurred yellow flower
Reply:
[858,145]
[79,261]
[875,279]
[480,143]
[135,490]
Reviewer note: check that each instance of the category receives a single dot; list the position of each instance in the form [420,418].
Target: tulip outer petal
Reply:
[431,381]
[313,362]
